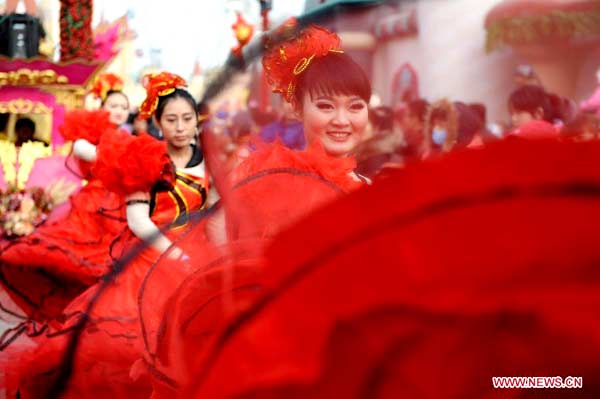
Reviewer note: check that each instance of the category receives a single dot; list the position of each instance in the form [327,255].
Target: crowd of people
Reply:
[321,253]
[417,129]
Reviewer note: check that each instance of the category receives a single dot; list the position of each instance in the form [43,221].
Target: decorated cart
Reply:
[35,93]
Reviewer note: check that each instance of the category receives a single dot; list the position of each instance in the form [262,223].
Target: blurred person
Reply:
[528,103]
[413,124]
[24,130]
[471,123]
[441,128]
[531,112]
[383,146]
[288,128]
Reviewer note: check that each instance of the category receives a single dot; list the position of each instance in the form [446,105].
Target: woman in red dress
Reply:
[163,183]
[44,271]
[268,192]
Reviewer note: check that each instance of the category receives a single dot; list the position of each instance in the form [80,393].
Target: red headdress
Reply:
[157,85]
[285,60]
[105,83]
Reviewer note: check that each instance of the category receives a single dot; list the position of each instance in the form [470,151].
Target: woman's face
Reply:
[178,123]
[338,121]
[117,106]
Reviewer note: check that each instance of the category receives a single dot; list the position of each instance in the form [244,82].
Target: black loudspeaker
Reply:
[20,35]
[266,5]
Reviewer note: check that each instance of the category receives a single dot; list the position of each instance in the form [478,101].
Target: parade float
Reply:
[34,175]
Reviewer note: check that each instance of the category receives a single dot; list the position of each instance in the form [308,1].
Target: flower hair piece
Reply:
[158,85]
[105,83]
[287,58]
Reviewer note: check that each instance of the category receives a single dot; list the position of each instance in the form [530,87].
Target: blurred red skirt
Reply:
[43,271]
[426,285]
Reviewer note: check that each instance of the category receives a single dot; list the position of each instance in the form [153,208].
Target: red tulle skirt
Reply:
[111,339]
[44,271]
[426,285]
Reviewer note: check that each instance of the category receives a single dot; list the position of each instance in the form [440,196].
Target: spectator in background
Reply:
[25,131]
[441,128]
[471,122]
[384,146]
[528,103]
[288,128]
[413,123]
[531,113]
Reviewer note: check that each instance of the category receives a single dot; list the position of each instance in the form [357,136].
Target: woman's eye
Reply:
[324,106]
[357,107]
[171,120]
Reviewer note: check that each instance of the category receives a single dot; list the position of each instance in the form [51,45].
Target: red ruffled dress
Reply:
[44,271]
[110,342]
[480,264]
[269,192]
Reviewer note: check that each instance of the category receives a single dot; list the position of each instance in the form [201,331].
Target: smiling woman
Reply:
[327,88]
[332,98]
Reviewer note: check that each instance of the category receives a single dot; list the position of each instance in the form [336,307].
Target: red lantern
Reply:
[243,33]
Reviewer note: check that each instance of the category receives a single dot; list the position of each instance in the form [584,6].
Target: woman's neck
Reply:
[180,156]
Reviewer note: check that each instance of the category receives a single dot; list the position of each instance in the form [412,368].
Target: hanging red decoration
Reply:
[76,39]
[243,33]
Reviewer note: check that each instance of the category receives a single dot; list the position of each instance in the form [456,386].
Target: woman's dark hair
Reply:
[334,74]
[470,121]
[530,98]
[178,93]
[110,93]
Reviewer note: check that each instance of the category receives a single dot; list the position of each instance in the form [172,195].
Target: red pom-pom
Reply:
[83,124]
[286,60]
[128,164]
